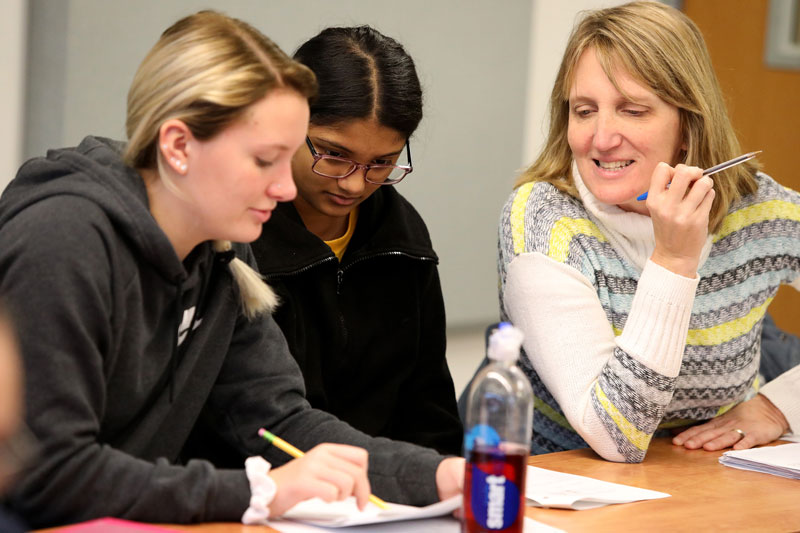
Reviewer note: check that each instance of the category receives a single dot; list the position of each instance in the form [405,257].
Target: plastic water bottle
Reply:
[497,439]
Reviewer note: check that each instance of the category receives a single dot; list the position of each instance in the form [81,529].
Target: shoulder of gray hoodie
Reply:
[92,284]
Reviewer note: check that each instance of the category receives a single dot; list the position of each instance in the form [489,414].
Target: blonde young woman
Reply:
[646,315]
[139,322]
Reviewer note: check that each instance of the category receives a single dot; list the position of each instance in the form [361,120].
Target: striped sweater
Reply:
[618,347]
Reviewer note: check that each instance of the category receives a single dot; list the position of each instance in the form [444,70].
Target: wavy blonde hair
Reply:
[663,50]
[206,70]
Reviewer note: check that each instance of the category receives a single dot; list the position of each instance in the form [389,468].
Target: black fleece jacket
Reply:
[98,297]
[369,332]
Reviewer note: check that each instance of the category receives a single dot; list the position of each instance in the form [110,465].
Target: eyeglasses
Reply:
[331,166]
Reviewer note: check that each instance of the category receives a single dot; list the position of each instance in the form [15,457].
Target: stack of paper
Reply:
[547,488]
[782,460]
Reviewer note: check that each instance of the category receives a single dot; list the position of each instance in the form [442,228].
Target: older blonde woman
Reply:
[646,315]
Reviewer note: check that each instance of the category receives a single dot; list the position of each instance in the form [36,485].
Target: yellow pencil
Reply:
[294,452]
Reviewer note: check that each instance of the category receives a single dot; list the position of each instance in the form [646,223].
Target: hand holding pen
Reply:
[718,168]
[679,205]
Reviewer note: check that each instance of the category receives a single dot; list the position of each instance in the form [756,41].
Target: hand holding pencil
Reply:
[328,471]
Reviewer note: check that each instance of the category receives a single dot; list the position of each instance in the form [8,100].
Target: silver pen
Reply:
[719,168]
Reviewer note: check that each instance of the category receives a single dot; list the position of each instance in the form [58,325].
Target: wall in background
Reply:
[762,101]
[486,69]
[551,24]
[13,24]
[472,58]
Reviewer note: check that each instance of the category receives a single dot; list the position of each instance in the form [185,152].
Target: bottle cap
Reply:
[505,342]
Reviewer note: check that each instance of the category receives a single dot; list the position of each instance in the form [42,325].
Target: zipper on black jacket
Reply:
[383,254]
[340,271]
[343,328]
[299,270]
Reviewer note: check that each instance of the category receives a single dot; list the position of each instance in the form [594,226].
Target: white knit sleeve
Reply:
[571,343]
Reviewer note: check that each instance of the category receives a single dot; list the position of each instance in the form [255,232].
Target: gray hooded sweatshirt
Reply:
[127,349]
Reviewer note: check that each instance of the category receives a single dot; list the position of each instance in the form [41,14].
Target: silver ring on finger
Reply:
[741,433]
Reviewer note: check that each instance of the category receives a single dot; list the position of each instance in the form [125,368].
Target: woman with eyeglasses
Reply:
[350,258]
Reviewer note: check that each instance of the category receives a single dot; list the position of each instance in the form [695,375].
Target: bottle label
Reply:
[494,499]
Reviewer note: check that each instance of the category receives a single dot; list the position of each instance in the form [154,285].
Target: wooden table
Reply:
[706,496]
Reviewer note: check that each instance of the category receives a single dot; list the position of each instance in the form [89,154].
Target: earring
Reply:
[178,165]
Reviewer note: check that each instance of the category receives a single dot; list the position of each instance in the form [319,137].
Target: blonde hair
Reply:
[663,50]
[206,70]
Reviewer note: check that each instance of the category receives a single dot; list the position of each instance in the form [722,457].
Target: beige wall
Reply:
[13,25]
[486,67]
[763,102]
[472,56]
[551,24]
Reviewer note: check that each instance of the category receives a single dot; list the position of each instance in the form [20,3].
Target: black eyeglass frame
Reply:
[407,169]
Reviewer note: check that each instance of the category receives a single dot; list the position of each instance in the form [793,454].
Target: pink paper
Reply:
[112,525]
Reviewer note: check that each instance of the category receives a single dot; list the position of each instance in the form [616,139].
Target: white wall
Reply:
[486,68]
[13,24]
[472,57]
[551,24]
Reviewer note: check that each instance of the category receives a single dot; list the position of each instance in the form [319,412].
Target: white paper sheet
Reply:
[346,513]
[547,488]
[315,515]
[782,460]
[425,525]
